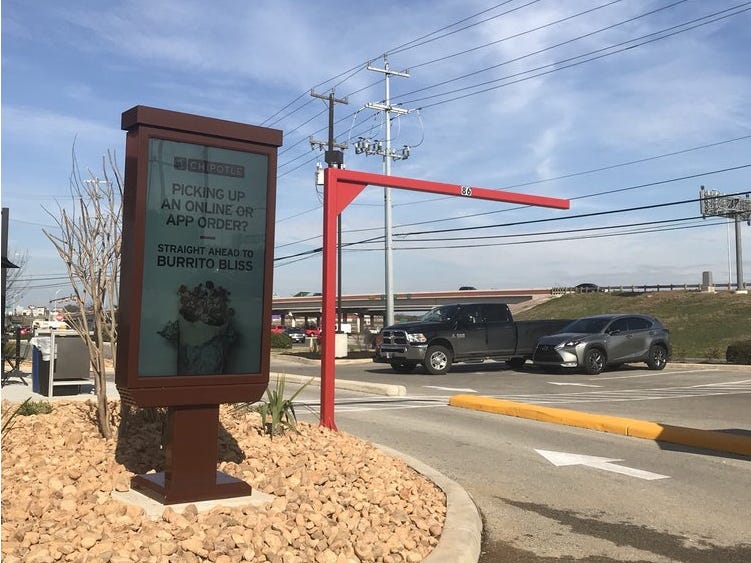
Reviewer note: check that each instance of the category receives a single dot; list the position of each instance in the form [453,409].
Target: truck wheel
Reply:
[516,363]
[437,360]
[403,367]
[594,361]
[658,357]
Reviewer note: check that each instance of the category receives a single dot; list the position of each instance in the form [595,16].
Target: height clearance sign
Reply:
[197,258]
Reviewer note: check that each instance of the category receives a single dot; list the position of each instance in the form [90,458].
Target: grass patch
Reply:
[29,408]
[351,355]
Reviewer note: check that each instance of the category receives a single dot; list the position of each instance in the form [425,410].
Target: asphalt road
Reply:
[640,501]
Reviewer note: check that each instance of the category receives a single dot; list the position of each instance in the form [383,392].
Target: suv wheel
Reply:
[658,357]
[594,361]
[437,360]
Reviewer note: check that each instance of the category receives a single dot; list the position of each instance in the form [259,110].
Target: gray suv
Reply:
[592,343]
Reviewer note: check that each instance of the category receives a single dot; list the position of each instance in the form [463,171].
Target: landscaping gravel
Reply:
[337,498]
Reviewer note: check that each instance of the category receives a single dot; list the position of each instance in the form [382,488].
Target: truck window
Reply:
[439,314]
[496,313]
[471,315]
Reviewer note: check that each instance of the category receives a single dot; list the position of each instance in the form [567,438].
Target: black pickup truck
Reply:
[466,332]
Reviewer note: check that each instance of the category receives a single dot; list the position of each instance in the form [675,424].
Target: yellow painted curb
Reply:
[709,439]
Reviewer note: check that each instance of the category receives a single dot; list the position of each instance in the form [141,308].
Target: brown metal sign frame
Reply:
[192,400]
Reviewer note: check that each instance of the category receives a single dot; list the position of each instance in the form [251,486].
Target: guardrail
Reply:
[644,288]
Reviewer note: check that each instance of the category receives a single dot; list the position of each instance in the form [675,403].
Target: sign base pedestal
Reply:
[153,486]
[191,455]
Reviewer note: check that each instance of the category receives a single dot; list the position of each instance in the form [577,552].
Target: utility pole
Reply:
[6,263]
[334,158]
[375,147]
[713,203]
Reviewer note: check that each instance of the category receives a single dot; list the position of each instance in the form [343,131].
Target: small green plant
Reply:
[9,348]
[713,353]
[8,424]
[28,407]
[739,352]
[277,413]
[280,340]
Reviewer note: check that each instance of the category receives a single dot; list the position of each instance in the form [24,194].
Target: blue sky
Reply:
[507,95]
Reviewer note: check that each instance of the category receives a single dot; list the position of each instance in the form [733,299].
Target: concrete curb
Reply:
[362,386]
[314,362]
[461,539]
[707,365]
[708,439]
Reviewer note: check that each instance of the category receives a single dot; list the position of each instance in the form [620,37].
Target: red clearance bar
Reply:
[341,187]
[343,176]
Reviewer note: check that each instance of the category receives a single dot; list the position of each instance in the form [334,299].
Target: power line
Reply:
[594,170]
[563,218]
[566,176]
[420,43]
[565,66]
[577,63]
[597,194]
[313,252]
[560,239]
[352,71]
[519,58]
[539,51]
[515,35]
[525,222]
[605,192]
[557,232]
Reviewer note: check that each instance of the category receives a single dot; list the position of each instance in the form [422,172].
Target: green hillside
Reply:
[701,324]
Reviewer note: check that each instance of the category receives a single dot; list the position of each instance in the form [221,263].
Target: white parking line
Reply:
[654,374]
[366,404]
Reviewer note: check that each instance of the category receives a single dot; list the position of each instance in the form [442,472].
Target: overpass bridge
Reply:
[366,310]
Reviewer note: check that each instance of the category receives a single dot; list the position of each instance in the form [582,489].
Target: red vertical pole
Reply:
[328,344]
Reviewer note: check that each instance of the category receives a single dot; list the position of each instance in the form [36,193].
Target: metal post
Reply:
[740,286]
[339,272]
[338,220]
[4,243]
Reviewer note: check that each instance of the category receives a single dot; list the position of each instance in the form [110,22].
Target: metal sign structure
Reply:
[341,187]
[715,204]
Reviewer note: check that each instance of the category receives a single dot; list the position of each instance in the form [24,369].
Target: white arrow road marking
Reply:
[463,390]
[576,384]
[561,459]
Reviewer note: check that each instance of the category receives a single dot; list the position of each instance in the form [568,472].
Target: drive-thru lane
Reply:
[535,508]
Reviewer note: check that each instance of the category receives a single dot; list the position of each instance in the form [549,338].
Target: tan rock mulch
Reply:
[338,499]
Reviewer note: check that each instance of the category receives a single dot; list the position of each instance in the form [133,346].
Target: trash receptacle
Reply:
[40,366]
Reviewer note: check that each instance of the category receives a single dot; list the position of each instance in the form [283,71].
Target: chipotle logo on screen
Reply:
[209,167]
